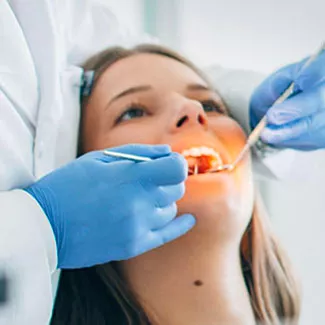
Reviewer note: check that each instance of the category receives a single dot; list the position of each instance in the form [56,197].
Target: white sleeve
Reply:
[27,244]
[236,88]
[28,257]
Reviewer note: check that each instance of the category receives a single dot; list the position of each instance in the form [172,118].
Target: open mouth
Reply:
[201,159]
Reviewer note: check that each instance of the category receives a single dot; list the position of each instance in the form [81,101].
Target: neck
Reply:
[204,286]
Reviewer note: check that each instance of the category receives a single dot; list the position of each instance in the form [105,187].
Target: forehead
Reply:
[156,70]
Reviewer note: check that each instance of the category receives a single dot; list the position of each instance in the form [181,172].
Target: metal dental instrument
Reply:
[254,136]
[125,156]
[136,158]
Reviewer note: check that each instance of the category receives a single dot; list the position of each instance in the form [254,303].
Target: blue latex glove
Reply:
[103,208]
[299,122]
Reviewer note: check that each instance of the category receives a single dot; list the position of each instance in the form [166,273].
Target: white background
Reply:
[258,35]
[253,34]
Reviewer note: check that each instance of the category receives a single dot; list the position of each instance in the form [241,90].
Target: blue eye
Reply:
[212,106]
[134,111]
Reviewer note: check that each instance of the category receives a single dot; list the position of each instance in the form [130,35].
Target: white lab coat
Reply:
[42,42]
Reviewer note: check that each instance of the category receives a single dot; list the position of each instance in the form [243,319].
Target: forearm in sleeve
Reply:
[28,257]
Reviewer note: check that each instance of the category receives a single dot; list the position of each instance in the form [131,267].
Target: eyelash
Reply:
[131,107]
[215,105]
[137,106]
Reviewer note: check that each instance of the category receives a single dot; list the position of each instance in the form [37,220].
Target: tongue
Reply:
[203,163]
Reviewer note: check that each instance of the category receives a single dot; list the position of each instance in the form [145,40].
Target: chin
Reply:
[221,202]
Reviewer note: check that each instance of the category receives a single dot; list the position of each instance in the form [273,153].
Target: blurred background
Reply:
[260,36]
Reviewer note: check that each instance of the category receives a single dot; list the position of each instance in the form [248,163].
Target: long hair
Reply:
[100,295]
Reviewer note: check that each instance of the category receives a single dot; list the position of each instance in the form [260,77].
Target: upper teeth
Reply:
[200,151]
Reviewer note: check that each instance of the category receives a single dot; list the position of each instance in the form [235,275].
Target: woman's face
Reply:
[153,99]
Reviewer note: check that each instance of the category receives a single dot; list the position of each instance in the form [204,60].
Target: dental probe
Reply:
[135,158]
[125,156]
[255,134]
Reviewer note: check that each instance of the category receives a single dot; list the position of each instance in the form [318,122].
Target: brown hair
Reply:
[100,295]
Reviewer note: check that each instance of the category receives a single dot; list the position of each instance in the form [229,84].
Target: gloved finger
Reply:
[305,144]
[178,227]
[145,150]
[273,87]
[168,170]
[163,216]
[166,195]
[278,82]
[313,74]
[307,125]
[299,106]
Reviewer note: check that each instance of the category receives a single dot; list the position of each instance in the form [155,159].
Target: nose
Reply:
[191,113]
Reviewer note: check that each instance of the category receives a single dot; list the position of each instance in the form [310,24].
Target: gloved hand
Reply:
[103,208]
[299,122]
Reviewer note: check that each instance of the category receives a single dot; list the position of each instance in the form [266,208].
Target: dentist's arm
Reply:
[299,122]
[27,244]
[93,205]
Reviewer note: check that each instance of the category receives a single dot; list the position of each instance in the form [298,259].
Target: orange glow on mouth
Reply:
[199,165]
[201,158]
[202,155]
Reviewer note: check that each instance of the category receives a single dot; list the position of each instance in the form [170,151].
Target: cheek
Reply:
[230,134]
[223,206]
[125,134]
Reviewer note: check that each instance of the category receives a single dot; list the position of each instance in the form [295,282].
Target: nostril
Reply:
[181,121]
[201,119]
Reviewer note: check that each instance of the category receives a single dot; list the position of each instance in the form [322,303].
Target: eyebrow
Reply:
[198,87]
[136,89]
[129,91]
